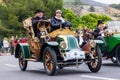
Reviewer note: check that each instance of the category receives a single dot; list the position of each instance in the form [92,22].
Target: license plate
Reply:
[75,54]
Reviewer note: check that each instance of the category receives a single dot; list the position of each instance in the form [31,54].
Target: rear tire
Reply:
[22,62]
[117,54]
[49,60]
[95,66]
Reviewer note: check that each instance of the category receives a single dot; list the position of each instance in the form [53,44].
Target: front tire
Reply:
[95,66]
[22,62]
[49,60]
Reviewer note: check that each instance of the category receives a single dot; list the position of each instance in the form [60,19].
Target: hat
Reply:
[100,22]
[39,10]
[58,11]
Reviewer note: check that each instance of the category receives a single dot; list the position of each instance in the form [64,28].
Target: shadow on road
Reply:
[71,72]
[60,72]
[110,64]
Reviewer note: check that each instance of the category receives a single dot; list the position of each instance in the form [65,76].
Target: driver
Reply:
[99,34]
[38,17]
[57,21]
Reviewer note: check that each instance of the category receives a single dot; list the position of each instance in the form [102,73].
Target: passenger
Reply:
[38,17]
[58,21]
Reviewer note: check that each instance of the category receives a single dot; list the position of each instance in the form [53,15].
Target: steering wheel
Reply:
[43,24]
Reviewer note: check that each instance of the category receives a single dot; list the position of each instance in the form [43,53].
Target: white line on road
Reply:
[101,78]
[10,65]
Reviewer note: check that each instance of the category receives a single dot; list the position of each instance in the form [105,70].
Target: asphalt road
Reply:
[9,70]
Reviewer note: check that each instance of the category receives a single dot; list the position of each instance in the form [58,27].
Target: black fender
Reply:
[25,49]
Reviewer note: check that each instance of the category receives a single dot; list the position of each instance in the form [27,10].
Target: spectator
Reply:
[12,45]
[79,38]
[16,41]
[1,45]
[5,44]
[23,40]
[85,30]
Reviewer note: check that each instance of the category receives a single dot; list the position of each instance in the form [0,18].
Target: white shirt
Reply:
[5,44]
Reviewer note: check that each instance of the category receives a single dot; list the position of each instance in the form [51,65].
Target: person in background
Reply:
[5,45]
[23,40]
[77,32]
[85,30]
[12,40]
[58,21]
[79,38]
[1,45]
[16,41]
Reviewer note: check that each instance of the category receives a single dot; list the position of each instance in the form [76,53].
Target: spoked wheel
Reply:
[117,55]
[22,62]
[49,60]
[95,65]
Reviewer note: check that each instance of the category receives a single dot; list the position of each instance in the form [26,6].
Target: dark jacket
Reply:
[97,31]
[34,24]
[55,23]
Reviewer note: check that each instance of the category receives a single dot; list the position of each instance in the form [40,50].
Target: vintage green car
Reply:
[59,49]
[113,41]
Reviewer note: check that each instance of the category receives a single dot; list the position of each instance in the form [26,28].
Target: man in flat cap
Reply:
[38,17]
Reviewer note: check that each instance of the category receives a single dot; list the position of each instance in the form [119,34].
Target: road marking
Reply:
[101,78]
[11,65]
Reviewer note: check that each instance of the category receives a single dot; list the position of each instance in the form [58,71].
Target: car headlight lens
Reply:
[63,45]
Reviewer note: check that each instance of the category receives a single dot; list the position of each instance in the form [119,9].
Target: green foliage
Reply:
[92,9]
[70,16]
[89,20]
[13,12]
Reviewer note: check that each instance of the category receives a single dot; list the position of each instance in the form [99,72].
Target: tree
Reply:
[13,12]
[92,9]
[90,20]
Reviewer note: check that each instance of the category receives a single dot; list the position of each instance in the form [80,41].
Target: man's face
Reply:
[40,14]
[58,15]
[100,26]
